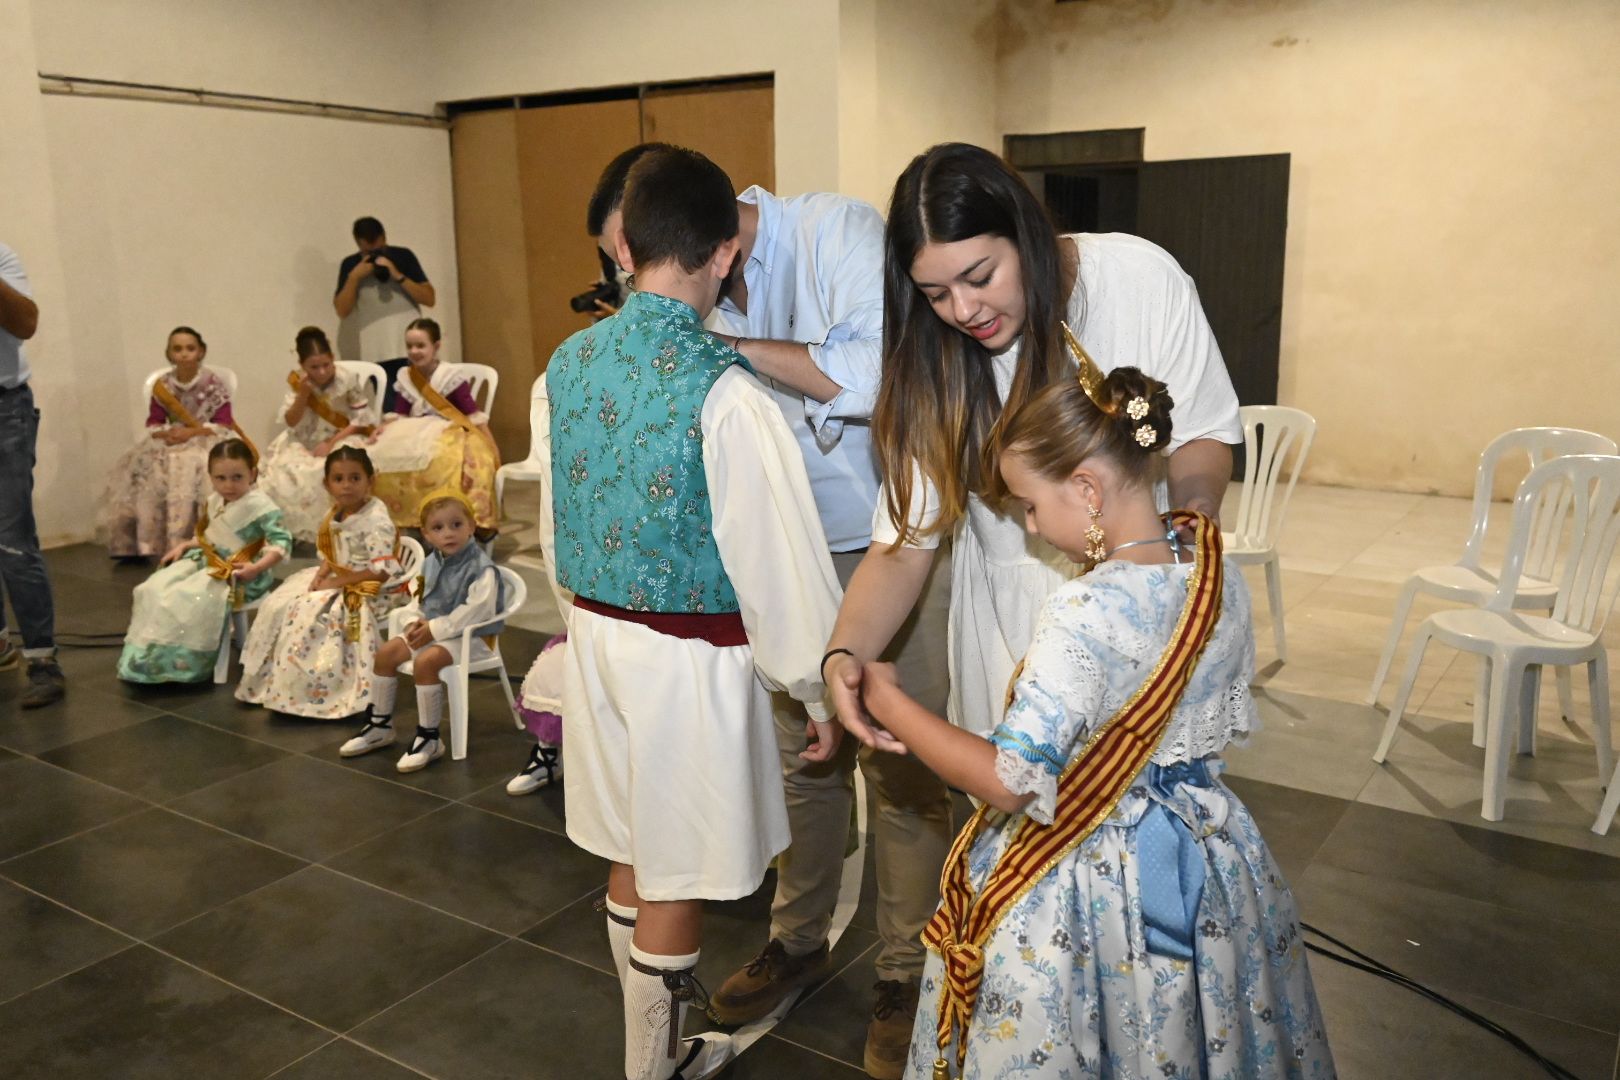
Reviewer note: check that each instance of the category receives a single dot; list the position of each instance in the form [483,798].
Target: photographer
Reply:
[384,287]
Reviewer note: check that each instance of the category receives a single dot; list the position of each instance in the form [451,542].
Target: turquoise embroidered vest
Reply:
[628,489]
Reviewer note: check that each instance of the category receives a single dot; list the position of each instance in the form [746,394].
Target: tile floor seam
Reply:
[395,827]
[132,940]
[350,1032]
[812,1050]
[305,1057]
[311,757]
[74,836]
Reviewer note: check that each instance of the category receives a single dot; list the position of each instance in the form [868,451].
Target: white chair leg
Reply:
[1403,608]
[506,684]
[1419,644]
[222,662]
[455,684]
[1506,680]
[1611,803]
[1566,693]
[239,622]
[1528,708]
[1597,676]
[1482,700]
[1274,593]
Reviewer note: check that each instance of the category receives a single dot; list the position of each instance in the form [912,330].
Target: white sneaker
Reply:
[704,1055]
[374,736]
[544,768]
[426,748]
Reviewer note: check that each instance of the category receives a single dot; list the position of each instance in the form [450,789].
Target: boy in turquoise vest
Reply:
[679,516]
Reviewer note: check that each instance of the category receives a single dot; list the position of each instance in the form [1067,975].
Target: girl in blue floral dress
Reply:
[1165,942]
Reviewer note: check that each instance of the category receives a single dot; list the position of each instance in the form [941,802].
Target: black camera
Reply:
[605,291]
[379,272]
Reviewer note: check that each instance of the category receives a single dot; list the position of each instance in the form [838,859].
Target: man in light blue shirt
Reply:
[804,306]
[22,566]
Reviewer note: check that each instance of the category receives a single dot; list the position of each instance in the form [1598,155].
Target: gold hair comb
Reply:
[1090,375]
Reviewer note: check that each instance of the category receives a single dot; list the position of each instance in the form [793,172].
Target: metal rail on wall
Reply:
[81,86]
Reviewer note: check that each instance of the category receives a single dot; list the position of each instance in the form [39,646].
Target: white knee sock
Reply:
[653,1011]
[621,927]
[429,705]
[384,689]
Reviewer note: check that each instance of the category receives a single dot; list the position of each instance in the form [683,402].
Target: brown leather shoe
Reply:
[761,986]
[888,1036]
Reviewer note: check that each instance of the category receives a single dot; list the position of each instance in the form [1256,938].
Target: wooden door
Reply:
[492,265]
[733,125]
[562,150]
[1226,222]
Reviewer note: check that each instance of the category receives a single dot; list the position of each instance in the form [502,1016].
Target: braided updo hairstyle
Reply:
[1061,426]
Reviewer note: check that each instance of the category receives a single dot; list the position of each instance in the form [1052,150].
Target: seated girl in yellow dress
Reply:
[325,407]
[442,442]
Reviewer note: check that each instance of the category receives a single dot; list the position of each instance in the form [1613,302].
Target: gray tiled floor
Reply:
[192,887]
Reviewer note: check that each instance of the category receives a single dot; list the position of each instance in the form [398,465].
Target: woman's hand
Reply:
[846,678]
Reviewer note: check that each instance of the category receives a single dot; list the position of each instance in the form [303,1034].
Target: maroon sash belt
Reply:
[721,630]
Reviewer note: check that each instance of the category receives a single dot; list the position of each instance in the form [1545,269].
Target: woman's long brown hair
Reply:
[938,404]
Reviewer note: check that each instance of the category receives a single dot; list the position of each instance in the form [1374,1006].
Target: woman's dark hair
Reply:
[232,450]
[678,206]
[311,341]
[938,401]
[188,330]
[349,453]
[427,326]
[1058,428]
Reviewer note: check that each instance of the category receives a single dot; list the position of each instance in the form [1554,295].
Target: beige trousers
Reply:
[910,806]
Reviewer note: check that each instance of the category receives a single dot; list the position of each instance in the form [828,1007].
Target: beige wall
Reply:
[1454,235]
[912,73]
[231,221]
[64,496]
[489,48]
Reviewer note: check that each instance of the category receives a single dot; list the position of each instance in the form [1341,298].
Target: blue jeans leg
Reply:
[22,566]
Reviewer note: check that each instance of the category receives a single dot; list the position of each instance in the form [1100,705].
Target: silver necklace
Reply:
[1169,537]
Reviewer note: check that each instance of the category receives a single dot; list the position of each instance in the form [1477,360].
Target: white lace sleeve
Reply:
[1217,709]
[1057,699]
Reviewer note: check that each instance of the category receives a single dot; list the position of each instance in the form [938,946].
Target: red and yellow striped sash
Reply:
[1089,788]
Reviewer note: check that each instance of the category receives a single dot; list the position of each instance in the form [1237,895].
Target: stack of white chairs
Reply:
[1566,521]
[529,469]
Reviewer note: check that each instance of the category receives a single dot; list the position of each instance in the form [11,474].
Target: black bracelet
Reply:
[828,655]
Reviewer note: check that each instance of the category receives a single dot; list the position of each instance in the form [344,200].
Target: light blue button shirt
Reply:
[13,360]
[815,275]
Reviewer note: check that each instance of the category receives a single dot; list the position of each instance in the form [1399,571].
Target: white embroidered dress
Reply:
[1077,982]
[297,659]
[292,473]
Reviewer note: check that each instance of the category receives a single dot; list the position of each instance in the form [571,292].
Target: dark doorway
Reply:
[1225,220]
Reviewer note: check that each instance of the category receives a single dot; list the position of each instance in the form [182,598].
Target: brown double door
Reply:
[522,176]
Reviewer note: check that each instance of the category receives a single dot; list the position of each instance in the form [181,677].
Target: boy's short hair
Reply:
[609,193]
[436,502]
[368,230]
[677,205]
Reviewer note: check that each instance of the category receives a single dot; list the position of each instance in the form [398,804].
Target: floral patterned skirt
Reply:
[297,659]
[294,478]
[462,461]
[1071,989]
[153,495]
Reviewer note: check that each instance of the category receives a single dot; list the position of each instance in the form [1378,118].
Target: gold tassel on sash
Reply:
[440,403]
[179,414]
[224,569]
[1089,788]
[356,593]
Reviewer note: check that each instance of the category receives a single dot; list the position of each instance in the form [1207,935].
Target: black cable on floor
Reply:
[1363,962]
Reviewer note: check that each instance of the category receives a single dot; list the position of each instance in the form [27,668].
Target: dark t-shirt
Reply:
[403,258]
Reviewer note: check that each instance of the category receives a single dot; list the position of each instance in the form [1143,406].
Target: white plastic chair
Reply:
[455,675]
[529,468]
[1467,581]
[1275,440]
[375,377]
[224,373]
[410,559]
[236,625]
[1585,491]
[481,377]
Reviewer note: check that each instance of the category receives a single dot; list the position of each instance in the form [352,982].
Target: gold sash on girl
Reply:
[321,406]
[221,568]
[356,593]
[439,402]
[179,414]
[1089,788]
